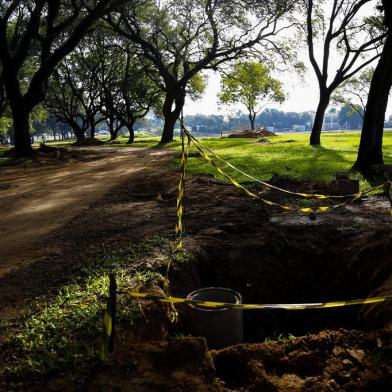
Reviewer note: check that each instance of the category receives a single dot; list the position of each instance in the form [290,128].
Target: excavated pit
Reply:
[294,265]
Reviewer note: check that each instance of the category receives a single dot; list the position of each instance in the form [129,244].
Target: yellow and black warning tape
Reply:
[306,195]
[181,189]
[270,202]
[294,306]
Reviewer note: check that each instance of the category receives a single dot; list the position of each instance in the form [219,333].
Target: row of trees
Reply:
[347,118]
[172,41]
[113,60]
[102,81]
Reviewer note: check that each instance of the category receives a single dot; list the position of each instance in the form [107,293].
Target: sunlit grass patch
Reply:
[296,160]
[60,332]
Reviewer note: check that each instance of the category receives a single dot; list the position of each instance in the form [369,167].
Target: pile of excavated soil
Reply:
[262,132]
[46,153]
[330,361]
[266,141]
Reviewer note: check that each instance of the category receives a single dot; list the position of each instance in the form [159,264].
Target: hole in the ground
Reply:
[294,269]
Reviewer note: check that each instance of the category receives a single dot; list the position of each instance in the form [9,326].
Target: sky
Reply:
[301,93]
[301,96]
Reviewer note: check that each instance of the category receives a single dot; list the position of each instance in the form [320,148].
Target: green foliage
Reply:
[250,84]
[281,337]
[197,86]
[354,91]
[5,123]
[351,116]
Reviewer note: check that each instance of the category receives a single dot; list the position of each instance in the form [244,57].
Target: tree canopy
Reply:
[251,84]
[182,38]
[354,41]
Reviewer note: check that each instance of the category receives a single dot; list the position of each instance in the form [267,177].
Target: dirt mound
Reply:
[47,155]
[266,141]
[88,142]
[262,132]
[329,361]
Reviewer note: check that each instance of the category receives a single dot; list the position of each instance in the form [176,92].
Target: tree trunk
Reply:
[171,115]
[252,118]
[131,132]
[92,130]
[319,119]
[21,127]
[80,136]
[113,133]
[370,147]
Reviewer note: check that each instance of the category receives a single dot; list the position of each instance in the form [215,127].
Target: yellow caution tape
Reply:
[269,202]
[295,306]
[181,192]
[107,323]
[306,195]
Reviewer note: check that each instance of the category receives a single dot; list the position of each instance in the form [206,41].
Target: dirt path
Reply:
[37,201]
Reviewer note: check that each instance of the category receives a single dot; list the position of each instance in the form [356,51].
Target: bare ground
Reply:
[37,201]
[267,255]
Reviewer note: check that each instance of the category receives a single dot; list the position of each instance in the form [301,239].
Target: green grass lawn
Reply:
[297,160]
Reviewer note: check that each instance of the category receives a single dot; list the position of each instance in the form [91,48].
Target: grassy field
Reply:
[296,160]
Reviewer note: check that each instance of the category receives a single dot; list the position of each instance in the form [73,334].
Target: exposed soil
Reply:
[39,203]
[262,132]
[266,255]
[266,141]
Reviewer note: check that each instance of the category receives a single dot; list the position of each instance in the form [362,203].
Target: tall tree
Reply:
[344,33]
[137,94]
[65,105]
[39,33]
[183,37]
[370,147]
[250,84]
[126,87]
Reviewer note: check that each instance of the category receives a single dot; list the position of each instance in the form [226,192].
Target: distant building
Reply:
[331,121]
[299,128]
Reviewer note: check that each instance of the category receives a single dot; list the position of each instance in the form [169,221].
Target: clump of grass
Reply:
[61,332]
[281,337]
